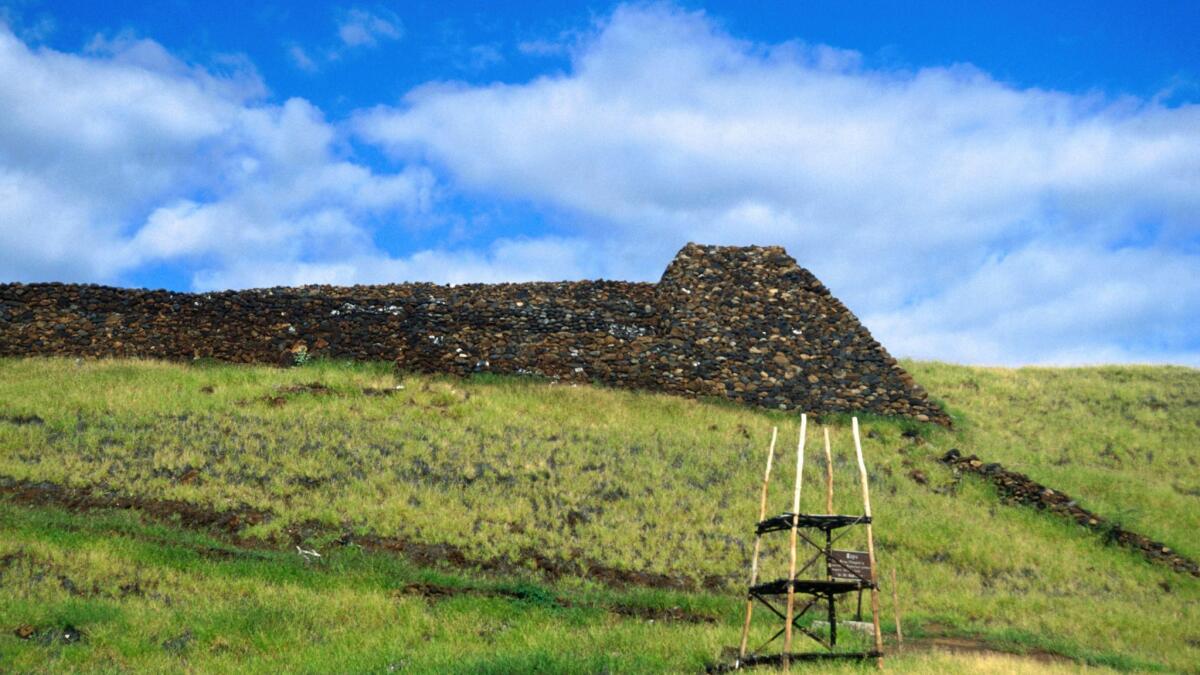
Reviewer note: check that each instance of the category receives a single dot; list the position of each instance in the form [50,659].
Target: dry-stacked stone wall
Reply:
[746,324]
[1021,489]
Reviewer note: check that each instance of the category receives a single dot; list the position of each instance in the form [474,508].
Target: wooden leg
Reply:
[896,611]
[862,472]
[762,514]
[791,597]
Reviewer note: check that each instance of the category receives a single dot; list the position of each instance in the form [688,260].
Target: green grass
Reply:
[135,590]
[151,598]
[1121,440]
[510,470]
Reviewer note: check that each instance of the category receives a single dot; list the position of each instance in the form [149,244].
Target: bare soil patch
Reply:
[437,592]
[230,524]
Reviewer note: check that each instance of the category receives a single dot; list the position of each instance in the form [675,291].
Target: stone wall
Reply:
[746,324]
[1021,489]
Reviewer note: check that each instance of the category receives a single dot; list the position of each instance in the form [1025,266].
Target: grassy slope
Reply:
[154,599]
[589,477]
[1122,440]
[135,589]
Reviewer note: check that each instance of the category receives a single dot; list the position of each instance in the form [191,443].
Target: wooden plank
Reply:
[866,492]
[762,513]
[791,598]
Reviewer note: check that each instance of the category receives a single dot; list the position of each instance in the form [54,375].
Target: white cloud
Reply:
[356,29]
[300,58]
[505,260]
[542,48]
[29,29]
[126,156]
[362,28]
[924,199]
[1059,304]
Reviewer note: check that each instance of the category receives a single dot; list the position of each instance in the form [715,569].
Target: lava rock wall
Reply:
[742,323]
[1018,488]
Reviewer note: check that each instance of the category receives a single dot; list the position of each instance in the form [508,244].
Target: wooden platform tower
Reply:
[808,585]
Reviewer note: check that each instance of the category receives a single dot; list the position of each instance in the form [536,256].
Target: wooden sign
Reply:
[851,565]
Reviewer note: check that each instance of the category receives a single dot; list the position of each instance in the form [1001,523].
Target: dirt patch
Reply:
[230,524]
[954,644]
[670,614]
[187,514]
[432,555]
[23,420]
[963,645]
[960,644]
[179,643]
[314,388]
[283,394]
[67,634]
[437,592]
[382,391]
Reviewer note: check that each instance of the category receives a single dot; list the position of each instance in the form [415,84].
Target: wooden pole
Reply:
[828,474]
[762,514]
[828,535]
[862,472]
[896,611]
[791,597]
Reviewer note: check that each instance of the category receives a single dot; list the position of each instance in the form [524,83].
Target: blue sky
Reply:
[1010,184]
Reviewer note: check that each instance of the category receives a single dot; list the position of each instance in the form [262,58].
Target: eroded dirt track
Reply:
[230,524]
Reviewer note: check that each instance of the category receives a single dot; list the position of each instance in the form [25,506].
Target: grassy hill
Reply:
[150,514]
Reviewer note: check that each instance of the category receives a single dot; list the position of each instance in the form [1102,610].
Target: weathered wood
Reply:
[866,492]
[896,611]
[762,514]
[791,597]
